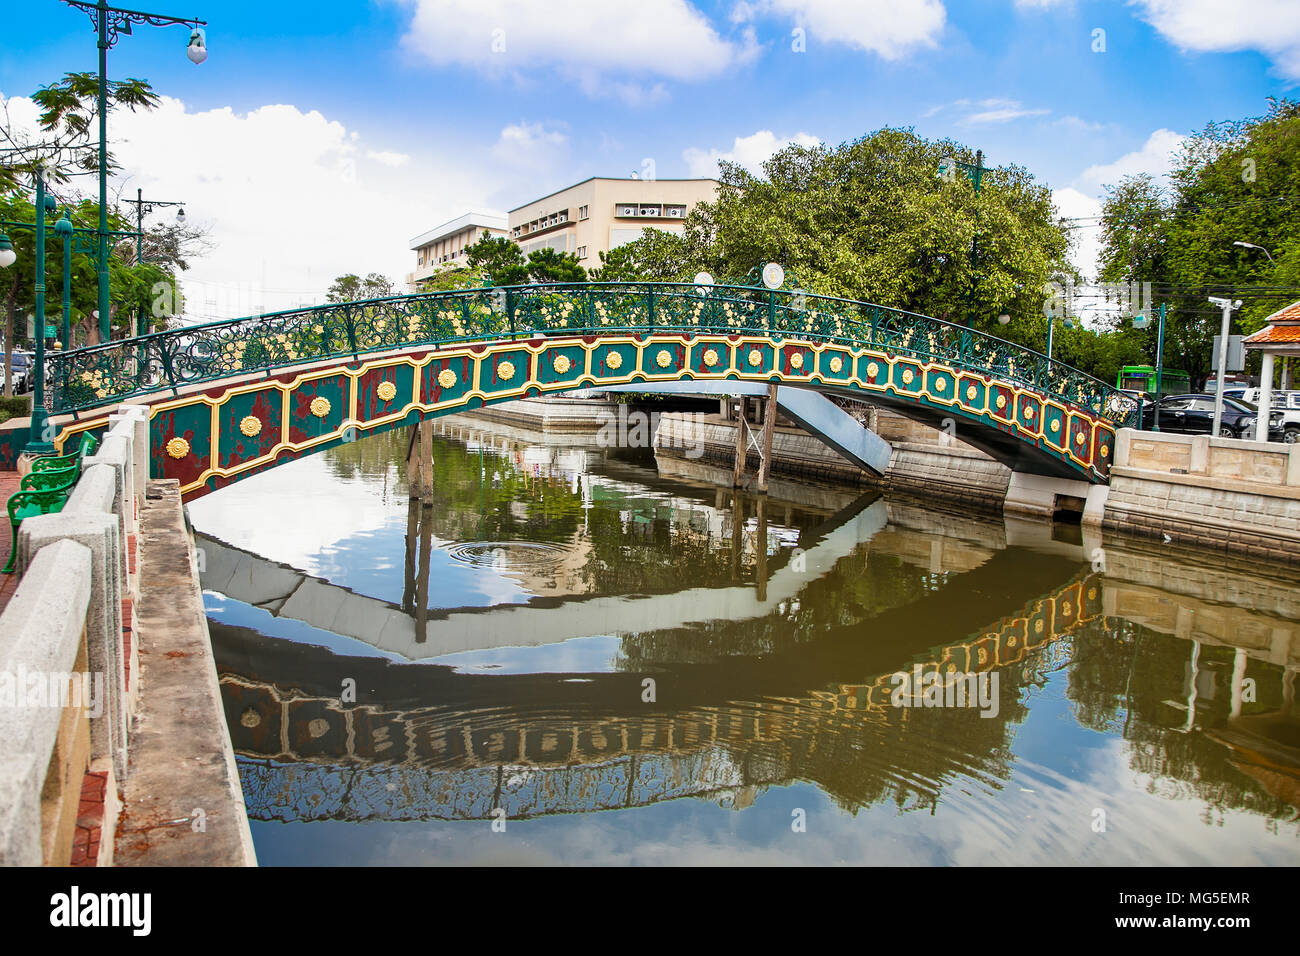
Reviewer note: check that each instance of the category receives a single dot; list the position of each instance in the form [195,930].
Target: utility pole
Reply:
[142,208]
[1227,305]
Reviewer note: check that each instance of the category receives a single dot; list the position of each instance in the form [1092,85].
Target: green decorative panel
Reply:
[384,390]
[663,359]
[614,361]
[835,365]
[505,370]
[711,357]
[249,425]
[447,378]
[561,364]
[1055,422]
[318,407]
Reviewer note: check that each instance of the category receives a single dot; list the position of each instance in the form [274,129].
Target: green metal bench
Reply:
[44,490]
[85,447]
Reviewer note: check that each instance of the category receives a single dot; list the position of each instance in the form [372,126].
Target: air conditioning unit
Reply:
[674,212]
[627,210]
[650,210]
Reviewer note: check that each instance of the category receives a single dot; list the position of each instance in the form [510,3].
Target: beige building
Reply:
[599,214]
[444,247]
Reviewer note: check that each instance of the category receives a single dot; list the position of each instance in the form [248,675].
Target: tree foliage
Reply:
[657,256]
[501,262]
[68,144]
[1232,181]
[353,288]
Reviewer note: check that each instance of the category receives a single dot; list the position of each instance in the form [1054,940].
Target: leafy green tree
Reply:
[68,144]
[446,280]
[657,256]
[873,220]
[499,259]
[1232,181]
[548,265]
[353,288]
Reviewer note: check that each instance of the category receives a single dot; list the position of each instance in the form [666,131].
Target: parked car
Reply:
[1287,403]
[21,371]
[1194,415]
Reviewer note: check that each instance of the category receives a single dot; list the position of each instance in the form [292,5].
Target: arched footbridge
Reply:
[232,398]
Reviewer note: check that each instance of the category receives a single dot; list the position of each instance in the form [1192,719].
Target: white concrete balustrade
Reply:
[65,618]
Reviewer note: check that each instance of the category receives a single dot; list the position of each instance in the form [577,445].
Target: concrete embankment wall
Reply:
[1222,494]
[925,462]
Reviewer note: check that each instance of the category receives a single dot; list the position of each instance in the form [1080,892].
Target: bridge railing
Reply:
[114,371]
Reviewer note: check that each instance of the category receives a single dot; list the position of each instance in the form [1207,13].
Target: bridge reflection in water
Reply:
[771,633]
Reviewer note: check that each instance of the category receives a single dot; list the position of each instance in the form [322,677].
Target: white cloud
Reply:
[1086,249]
[1270,26]
[588,41]
[1083,198]
[291,198]
[388,158]
[748,151]
[1155,157]
[1042,4]
[530,143]
[890,29]
[996,109]
[1077,124]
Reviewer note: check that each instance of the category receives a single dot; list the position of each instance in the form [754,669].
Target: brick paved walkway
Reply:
[8,582]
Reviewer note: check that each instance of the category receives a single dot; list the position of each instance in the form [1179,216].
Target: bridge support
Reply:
[1041,496]
[419,461]
[762,442]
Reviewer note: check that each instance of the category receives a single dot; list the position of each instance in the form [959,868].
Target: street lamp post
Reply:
[110,23]
[1251,245]
[142,208]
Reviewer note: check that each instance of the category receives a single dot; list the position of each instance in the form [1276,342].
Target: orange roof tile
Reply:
[1275,334]
[1290,313]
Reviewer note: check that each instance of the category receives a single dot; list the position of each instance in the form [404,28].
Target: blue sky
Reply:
[319,137]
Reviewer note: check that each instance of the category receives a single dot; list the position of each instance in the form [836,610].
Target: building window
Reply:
[582,252]
[584,212]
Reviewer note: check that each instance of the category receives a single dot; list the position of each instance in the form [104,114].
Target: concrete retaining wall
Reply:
[1223,494]
[925,462]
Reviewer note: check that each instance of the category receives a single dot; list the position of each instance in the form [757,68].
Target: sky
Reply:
[319,137]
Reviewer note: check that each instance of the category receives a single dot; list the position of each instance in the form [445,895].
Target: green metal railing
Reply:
[106,374]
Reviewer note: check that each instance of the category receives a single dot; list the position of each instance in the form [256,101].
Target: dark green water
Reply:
[569,656]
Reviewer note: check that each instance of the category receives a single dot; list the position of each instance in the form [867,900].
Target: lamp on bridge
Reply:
[7,255]
[1004,318]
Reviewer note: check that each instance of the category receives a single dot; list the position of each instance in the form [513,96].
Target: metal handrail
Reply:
[112,372]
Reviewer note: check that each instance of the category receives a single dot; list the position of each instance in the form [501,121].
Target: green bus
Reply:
[1142,378]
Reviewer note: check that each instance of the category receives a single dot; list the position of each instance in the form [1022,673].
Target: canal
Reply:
[581,655]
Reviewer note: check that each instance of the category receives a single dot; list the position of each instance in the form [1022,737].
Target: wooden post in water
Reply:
[422,575]
[760,547]
[742,445]
[769,426]
[426,460]
[413,464]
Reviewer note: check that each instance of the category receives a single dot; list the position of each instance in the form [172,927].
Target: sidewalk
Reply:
[8,582]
